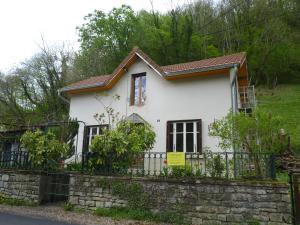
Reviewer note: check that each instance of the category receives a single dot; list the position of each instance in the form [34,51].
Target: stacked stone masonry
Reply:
[22,186]
[200,202]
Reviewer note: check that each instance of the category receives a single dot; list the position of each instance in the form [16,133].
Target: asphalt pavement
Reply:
[10,219]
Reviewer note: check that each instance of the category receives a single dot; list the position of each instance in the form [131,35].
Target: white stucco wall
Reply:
[205,98]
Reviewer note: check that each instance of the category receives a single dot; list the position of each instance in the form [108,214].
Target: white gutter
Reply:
[233,74]
[233,78]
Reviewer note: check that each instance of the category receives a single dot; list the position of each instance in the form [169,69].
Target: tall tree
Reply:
[105,40]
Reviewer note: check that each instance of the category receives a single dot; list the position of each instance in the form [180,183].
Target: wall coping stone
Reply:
[253,183]
[258,183]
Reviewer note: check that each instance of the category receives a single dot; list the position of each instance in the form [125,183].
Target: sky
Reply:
[24,23]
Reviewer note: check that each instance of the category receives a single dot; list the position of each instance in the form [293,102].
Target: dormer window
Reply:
[138,89]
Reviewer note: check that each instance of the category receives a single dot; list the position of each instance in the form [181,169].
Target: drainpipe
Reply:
[233,75]
[62,97]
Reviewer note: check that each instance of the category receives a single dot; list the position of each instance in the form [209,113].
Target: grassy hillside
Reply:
[284,101]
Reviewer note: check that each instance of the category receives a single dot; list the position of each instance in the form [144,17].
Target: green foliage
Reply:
[284,101]
[259,132]
[139,214]
[66,132]
[282,177]
[182,171]
[113,34]
[267,31]
[118,146]
[133,193]
[15,202]
[68,206]
[215,165]
[44,148]
[74,166]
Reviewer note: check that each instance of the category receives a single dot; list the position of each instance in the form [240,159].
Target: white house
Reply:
[180,101]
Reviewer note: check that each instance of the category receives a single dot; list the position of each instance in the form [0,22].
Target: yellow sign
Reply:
[176,158]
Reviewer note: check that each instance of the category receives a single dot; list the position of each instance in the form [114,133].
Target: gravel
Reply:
[57,213]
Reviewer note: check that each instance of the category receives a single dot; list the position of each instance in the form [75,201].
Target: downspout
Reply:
[233,76]
[62,97]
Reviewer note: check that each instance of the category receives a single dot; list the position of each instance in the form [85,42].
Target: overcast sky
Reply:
[24,22]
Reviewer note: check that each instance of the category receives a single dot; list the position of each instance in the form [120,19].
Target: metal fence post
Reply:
[227,167]
[272,167]
[234,165]
[292,198]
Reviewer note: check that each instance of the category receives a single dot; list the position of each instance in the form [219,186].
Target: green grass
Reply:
[15,202]
[284,101]
[68,206]
[138,214]
[282,177]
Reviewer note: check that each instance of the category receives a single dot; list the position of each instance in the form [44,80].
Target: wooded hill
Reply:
[268,30]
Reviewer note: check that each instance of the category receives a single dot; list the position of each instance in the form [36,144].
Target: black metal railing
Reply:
[225,165]
[228,165]
[15,159]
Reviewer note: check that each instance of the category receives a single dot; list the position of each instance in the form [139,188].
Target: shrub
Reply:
[44,148]
[258,132]
[215,165]
[116,148]
[15,202]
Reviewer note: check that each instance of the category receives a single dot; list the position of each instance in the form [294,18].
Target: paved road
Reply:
[10,219]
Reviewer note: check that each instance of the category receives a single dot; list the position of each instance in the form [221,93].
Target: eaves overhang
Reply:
[85,86]
[199,70]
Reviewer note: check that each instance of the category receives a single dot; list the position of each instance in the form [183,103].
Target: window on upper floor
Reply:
[138,89]
[184,136]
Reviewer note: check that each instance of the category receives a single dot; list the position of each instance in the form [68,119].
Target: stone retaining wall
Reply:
[20,185]
[199,201]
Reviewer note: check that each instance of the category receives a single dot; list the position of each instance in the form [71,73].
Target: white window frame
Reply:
[91,135]
[184,132]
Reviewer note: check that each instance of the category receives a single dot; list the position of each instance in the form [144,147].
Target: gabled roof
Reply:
[91,82]
[206,64]
[218,65]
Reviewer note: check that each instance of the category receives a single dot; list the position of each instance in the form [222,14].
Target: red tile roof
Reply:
[169,70]
[91,81]
[237,58]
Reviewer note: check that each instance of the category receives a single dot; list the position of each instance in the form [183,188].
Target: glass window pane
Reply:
[171,127]
[136,90]
[189,142]
[101,128]
[189,127]
[179,127]
[92,138]
[179,142]
[94,130]
[170,145]
[143,89]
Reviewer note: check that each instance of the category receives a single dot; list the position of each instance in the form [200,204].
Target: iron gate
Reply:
[295,195]
[54,187]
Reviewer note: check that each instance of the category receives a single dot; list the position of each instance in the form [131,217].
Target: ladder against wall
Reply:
[247,100]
